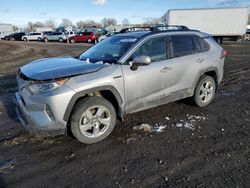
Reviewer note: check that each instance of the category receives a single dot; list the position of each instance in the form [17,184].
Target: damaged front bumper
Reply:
[35,119]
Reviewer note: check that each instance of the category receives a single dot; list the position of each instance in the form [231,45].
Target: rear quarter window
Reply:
[200,44]
[182,45]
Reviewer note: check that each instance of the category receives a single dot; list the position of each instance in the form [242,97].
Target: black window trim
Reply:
[195,51]
[168,54]
[172,48]
[202,38]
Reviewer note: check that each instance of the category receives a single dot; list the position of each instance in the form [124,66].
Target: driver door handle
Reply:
[165,69]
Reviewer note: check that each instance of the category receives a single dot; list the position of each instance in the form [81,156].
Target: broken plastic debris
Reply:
[159,128]
[167,118]
[7,165]
[189,122]
[87,60]
[144,127]
[99,62]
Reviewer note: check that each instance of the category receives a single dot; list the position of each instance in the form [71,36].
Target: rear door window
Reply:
[182,45]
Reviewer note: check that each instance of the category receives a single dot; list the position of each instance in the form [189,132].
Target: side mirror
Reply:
[140,61]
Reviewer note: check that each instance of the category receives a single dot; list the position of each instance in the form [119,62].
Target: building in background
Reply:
[5,29]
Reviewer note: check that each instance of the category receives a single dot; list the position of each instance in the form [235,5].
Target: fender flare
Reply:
[215,69]
[92,90]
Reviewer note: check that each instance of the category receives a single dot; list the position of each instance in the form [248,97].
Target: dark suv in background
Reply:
[15,36]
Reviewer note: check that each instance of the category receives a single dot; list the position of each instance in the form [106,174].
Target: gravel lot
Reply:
[189,146]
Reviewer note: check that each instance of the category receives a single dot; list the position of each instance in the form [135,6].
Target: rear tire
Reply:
[92,120]
[72,41]
[205,91]
[89,40]
[60,39]
[46,40]
[39,39]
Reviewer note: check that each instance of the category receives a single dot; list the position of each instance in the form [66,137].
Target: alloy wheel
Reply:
[206,91]
[95,121]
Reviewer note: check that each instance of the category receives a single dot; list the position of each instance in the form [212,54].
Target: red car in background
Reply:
[84,37]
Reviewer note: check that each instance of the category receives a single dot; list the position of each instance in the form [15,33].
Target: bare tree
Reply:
[163,19]
[151,21]
[38,24]
[15,28]
[66,23]
[125,22]
[108,21]
[30,27]
[50,23]
[87,23]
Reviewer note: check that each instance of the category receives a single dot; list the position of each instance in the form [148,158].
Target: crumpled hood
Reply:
[53,68]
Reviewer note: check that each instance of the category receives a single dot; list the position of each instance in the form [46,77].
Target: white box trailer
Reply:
[219,22]
[5,29]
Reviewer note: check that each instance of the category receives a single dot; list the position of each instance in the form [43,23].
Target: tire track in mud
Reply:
[236,76]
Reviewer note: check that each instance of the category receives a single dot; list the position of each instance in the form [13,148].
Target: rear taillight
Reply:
[223,54]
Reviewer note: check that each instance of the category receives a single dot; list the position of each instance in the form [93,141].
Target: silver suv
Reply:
[56,36]
[125,73]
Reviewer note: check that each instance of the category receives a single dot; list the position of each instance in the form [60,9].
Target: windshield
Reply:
[109,50]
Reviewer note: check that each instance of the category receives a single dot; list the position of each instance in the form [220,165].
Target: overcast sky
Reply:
[19,12]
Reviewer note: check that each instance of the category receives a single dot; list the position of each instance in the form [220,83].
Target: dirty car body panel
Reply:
[167,78]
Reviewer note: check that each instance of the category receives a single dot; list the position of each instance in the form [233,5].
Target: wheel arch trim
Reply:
[81,94]
[203,72]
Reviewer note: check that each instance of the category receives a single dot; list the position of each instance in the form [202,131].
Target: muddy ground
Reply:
[198,147]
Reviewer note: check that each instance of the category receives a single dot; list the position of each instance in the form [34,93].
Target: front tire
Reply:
[205,91]
[92,120]
[89,40]
[25,39]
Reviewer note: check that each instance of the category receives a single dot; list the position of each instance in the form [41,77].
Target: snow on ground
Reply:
[188,123]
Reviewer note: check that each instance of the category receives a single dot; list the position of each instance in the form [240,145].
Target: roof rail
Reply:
[157,28]
[133,29]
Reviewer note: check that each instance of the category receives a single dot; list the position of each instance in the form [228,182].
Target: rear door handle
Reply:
[165,69]
[199,60]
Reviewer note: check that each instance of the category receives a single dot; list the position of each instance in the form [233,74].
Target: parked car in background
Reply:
[15,36]
[55,36]
[70,33]
[33,36]
[4,34]
[47,32]
[84,37]
[105,36]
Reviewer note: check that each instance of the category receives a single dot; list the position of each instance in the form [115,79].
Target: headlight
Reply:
[45,86]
